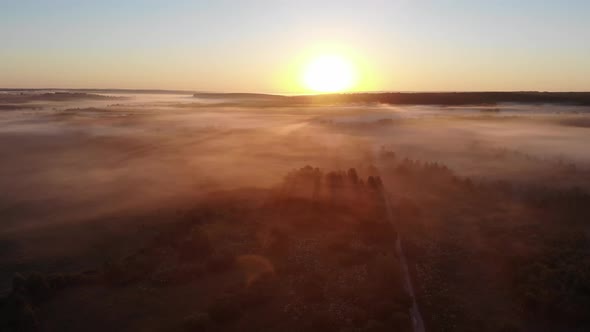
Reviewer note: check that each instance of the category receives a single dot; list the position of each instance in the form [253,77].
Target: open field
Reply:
[174,211]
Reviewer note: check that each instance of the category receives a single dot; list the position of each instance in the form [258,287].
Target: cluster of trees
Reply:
[333,179]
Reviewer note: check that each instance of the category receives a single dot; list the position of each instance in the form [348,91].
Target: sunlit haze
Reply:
[330,73]
[263,46]
[294,165]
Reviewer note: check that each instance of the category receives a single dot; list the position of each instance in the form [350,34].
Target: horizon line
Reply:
[184,91]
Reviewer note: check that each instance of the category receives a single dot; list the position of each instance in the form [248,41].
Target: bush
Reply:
[114,274]
[374,232]
[375,326]
[509,327]
[18,283]
[358,317]
[220,262]
[277,242]
[386,278]
[37,288]
[171,274]
[224,311]
[58,281]
[197,322]
[312,289]
[321,322]
[401,321]
[382,310]
[260,292]
[195,245]
[162,277]
[61,281]
[189,272]
[353,254]
[16,314]
[129,270]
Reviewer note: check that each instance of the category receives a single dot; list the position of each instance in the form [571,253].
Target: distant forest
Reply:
[414,98]
[450,98]
[393,98]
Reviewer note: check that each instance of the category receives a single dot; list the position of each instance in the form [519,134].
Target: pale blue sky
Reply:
[262,45]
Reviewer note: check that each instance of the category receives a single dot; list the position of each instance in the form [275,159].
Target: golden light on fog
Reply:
[330,73]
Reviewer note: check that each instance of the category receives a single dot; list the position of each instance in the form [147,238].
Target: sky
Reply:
[264,46]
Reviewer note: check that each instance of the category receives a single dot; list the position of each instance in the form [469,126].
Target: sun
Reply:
[329,73]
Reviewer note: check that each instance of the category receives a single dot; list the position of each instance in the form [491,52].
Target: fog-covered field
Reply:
[83,158]
[88,178]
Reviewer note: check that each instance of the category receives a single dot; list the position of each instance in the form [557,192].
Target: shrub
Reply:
[509,327]
[195,245]
[401,321]
[220,262]
[382,310]
[277,242]
[321,322]
[61,281]
[16,314]
[197,322]
[130,269]
[58,281]
[189,272]
[359,317]
[376,232]
[118,274]
[224,311]
[162,277]
[18,283]
[259,292]
[353,254]
[312,289]
[37,288]
[375,326]
[255,267]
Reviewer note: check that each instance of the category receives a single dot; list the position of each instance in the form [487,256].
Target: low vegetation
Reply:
[517,253]
[315,253]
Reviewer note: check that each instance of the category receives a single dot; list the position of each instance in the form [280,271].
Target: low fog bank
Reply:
[529,144]
[78,156]
[78,181]
[77,172]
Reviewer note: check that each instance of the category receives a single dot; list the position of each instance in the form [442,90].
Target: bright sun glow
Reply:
[330,73]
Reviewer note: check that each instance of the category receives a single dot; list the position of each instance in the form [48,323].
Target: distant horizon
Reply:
[185,91]
[280,165]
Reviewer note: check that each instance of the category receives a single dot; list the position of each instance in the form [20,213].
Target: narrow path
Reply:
[417,322]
